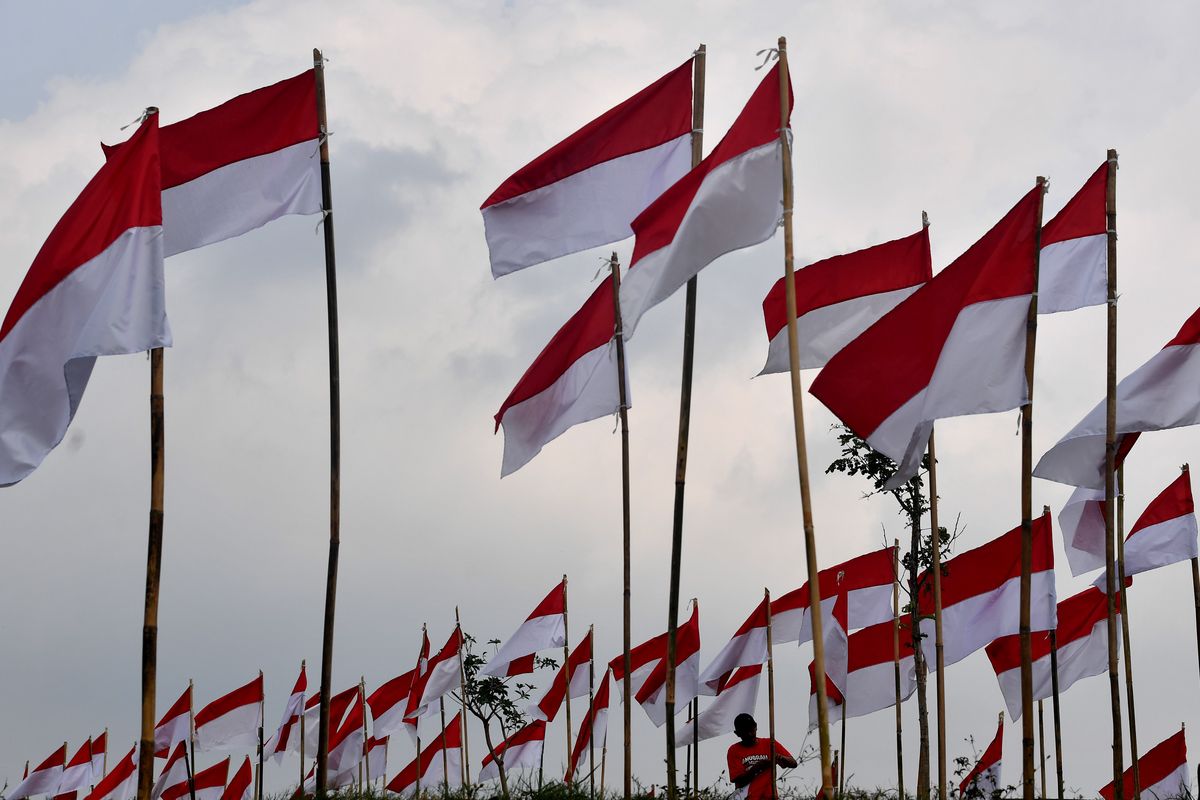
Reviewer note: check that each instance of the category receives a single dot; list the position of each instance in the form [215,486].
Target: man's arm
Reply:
[785,760]
[743,780]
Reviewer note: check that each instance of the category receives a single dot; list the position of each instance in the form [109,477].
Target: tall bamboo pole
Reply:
[335,434]
[896,663]
[1110,454]
[567,665]
[462,692]
[771,696]
[810,544]
[1195,599]
[1128,656]
[591,712]
[685,421]
[1027,519]
[935,538]
[626,544]
[302,661]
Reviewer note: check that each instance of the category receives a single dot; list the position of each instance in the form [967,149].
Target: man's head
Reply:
[744,727]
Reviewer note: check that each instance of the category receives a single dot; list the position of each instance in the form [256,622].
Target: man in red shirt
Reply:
[750,761]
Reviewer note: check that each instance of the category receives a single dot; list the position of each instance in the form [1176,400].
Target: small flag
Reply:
[1165,533]
[389,701]
[99,751]
[175,725]
[174,776]
[241,787]
[429,762]
[1162,772]
[1073,272]
[648,673]
[522,750]
[121,781]
[738,695]
[377,751]
[986,775]
[571,680]
[442,675]
[543,629]
[870,672]
[44,778]
[287,736]
[594,727]
[748,647]
[231,722]
[78,772]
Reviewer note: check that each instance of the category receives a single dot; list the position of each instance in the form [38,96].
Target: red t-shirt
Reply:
[742,758]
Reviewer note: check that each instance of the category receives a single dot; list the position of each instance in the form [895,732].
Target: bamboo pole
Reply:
[771,696]
[417,725]
[810,545]
[192,723]
[362,693]
[262,721]
[626,545]
[896,663]
[189,766]
[591,711]
[1042,745]
[335,433]
[302,661]
[1195,597]
[462,686]
[842,761]
[1027,520]
[685,421]
[603,761]
[1128,655]
[1110,453]
[566,666]
[935,534]
[445,755]
[153,572]
[696,747]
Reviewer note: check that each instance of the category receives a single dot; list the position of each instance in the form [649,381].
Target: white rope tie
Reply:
[141,118]
[771,53]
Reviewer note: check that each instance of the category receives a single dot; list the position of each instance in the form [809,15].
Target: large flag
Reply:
[99,756]
[570,681]
[94,289]
[1162,772]
[839,298]
[77,774]
[389,702]
[871,673]
[572,381]
[377,750]
[985,777]
[1165,533]
[648,679]
[865,579]
[428,765]
[175,725]
[748,647]
[955,347]
[587,189]
[441,676]
[241,785]
[231,722]
[738,695]
[522,750]
[732,199]
[121,781]
[1156,396]
[174,774]
[44,778]
[287,736]
[545,628]
[981,593]
[234,168]
[1073,272]
[1082,641]
[594,728]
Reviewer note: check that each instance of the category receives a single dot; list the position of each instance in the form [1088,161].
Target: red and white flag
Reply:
[175,725]
[389,702]
[234,168]
[94,289]
[442,675]
[174,774]
[648,669]
[1073,272]
[287,737]
[77,774]
[545,628]
[1082,522]
[955,347]
[231,722]
[572,381]
[208,783]
[594,728]
[428,765]
[1156,396]
[99,754]
[1163,772]
[866,580]
[377,751]
[986,774]
[522,750]
[837,648]
[870,673]
[738,695]
[840,297]
[45,777]
[339,706]
[981,593]
[121,781]
[346,745]
[1082,639]
[731,200]
[241,785]
[747,648]
[1165,533]
[570,681]
[587,189]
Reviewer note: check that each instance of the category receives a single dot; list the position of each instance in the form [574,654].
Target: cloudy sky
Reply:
[947,107]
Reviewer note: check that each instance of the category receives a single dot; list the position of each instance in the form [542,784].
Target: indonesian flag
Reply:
[339,705]
[346,745]
[747,648]
[439,679]
[236,167]
[377,750]
[730,200]
[175,725]
[986,774]
[287,737]
[173,775]
[573,380]
[1074,265]
[981,593]
[1156,396]
[870,673]
[44,778]
[1165,533]
[94,289]
[1162,772]
[121,781]
[837,647]
[594,727]
[231,722]
[865,579]
[1083,530]
[388,703]
[522,750]
[78,772]
[839,298]
[1082,639]
[648,676]
[99,751]
[563,687]
[586,190]
[209,784]
[429,762]
[739,695]
[955,347]
[546,627]
[241,787]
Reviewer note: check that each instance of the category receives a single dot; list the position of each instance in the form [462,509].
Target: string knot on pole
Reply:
[771,54]
[146,112]
[322,138]
[325,214]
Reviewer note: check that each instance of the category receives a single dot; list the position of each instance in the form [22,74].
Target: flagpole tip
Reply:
[782,42]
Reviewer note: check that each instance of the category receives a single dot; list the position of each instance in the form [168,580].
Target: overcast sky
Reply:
[949,107]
